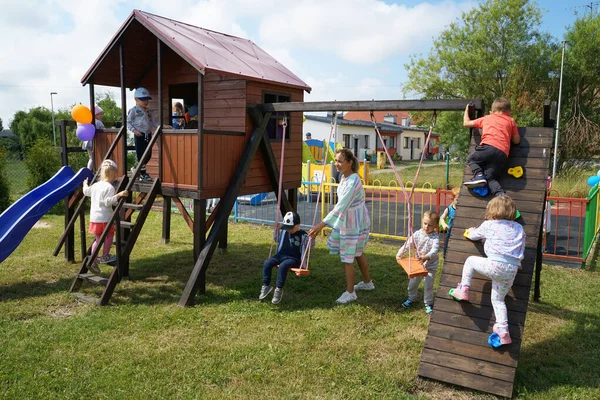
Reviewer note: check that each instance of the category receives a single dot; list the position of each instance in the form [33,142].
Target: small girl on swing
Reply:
[103,198]
[504,247]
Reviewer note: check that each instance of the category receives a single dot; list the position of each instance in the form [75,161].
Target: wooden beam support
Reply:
[269,159]
[186,216]
[373,105]
[226,204]
[166,220]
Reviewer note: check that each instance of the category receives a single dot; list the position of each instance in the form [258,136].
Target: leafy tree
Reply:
[30,126]
[112,113]
[4,184]
[1,127]
[580,130]
[494,50]
[42,162]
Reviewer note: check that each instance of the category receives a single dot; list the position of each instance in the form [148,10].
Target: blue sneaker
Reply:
[477,180]
[428,309]
[408,303]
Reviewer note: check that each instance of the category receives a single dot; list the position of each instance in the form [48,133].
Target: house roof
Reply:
[204,49]
[7,133]
[384,127]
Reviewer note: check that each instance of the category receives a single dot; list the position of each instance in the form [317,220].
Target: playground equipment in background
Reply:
[19,218]
[253,199]
[312,150]
[313,172]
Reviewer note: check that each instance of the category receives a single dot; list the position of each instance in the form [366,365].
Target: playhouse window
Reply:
[275,124]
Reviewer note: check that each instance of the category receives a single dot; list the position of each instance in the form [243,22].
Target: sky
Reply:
[343,49]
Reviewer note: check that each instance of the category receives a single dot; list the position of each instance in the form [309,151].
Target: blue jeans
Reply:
[285,263]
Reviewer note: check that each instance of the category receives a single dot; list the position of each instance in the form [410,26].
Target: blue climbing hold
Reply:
[494,340]
[481,190]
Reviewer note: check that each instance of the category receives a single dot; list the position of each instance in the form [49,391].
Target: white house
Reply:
[356,131]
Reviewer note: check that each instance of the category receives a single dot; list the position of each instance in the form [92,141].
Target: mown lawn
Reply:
[231,346]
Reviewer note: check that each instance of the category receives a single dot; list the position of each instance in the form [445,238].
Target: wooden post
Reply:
[93,109]
[70,239]
[124,167]
[166,221]
[200,238]
[160,105]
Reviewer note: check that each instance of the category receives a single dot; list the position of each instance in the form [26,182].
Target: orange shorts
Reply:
[97,228]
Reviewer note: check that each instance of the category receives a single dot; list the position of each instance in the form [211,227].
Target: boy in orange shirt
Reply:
[498,131]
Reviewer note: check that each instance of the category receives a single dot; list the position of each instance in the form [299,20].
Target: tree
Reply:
[1,127]
[30,126]
[494,50]
[112,113]
[580,129]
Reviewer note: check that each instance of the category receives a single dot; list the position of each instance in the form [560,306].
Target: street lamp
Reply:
[53,127]
[562,63]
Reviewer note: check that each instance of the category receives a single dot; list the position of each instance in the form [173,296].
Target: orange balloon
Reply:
[81,114]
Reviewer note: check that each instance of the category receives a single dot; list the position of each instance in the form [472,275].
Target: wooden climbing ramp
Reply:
[456,349]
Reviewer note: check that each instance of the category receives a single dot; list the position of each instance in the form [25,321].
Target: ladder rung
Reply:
[127,224]
[133,206]
[86,298]
[95,279]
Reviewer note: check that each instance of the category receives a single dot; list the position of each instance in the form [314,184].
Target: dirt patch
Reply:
[41,224]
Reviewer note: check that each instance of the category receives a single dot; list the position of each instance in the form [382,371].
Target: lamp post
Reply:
[562,63]
[53,127]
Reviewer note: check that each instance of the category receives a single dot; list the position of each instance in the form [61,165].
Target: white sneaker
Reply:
[364,286]
[346,297]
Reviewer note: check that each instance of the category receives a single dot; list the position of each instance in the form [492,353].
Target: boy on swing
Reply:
[291,246]
[498,131]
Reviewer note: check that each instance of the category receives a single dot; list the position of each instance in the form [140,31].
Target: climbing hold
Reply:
[481,190]
[517,172]
[466,234]
[494,340]
[517,215]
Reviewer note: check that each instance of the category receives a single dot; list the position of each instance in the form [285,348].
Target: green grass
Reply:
[231,346]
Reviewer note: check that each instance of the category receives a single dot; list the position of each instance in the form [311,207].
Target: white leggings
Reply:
[502,276]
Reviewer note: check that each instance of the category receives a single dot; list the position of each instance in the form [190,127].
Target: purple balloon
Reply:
[85,132]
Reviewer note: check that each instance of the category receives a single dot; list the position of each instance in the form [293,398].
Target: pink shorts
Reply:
[98,227]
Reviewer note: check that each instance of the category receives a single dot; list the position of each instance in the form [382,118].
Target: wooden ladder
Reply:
[127,233]
[456,349]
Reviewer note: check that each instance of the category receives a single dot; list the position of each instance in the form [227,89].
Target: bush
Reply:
[42,162]
[4,186]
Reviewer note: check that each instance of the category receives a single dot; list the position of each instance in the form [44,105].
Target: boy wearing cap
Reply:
[291,245]
[142,124]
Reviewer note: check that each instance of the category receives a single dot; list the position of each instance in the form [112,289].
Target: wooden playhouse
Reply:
[224,75]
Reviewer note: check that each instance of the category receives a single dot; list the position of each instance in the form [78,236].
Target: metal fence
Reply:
[569,237]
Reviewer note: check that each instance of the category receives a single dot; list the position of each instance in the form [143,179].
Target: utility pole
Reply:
[562,63]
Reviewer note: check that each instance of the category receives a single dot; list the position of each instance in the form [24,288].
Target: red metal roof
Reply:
[209,50]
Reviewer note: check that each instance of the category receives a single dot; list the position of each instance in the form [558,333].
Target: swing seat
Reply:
[298,271]
[412,267]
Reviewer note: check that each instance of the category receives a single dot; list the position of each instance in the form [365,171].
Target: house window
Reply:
[406,142]
[418,143]
[275,124]
[392,142]
[366,141]
[346,141]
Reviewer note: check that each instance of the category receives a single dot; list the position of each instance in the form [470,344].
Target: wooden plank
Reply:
[374,105]
[472,323]
[471,351]
[461,334]
[477,367]
[484,298]
[465,379]
[485,285]
[474,311]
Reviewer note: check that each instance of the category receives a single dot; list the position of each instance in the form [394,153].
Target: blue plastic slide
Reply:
[253,199]
[18,219]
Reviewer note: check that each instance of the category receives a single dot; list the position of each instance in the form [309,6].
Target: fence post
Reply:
[589,232]
[447,170]
[235,211]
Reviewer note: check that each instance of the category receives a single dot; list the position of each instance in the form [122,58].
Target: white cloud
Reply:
[50,44]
